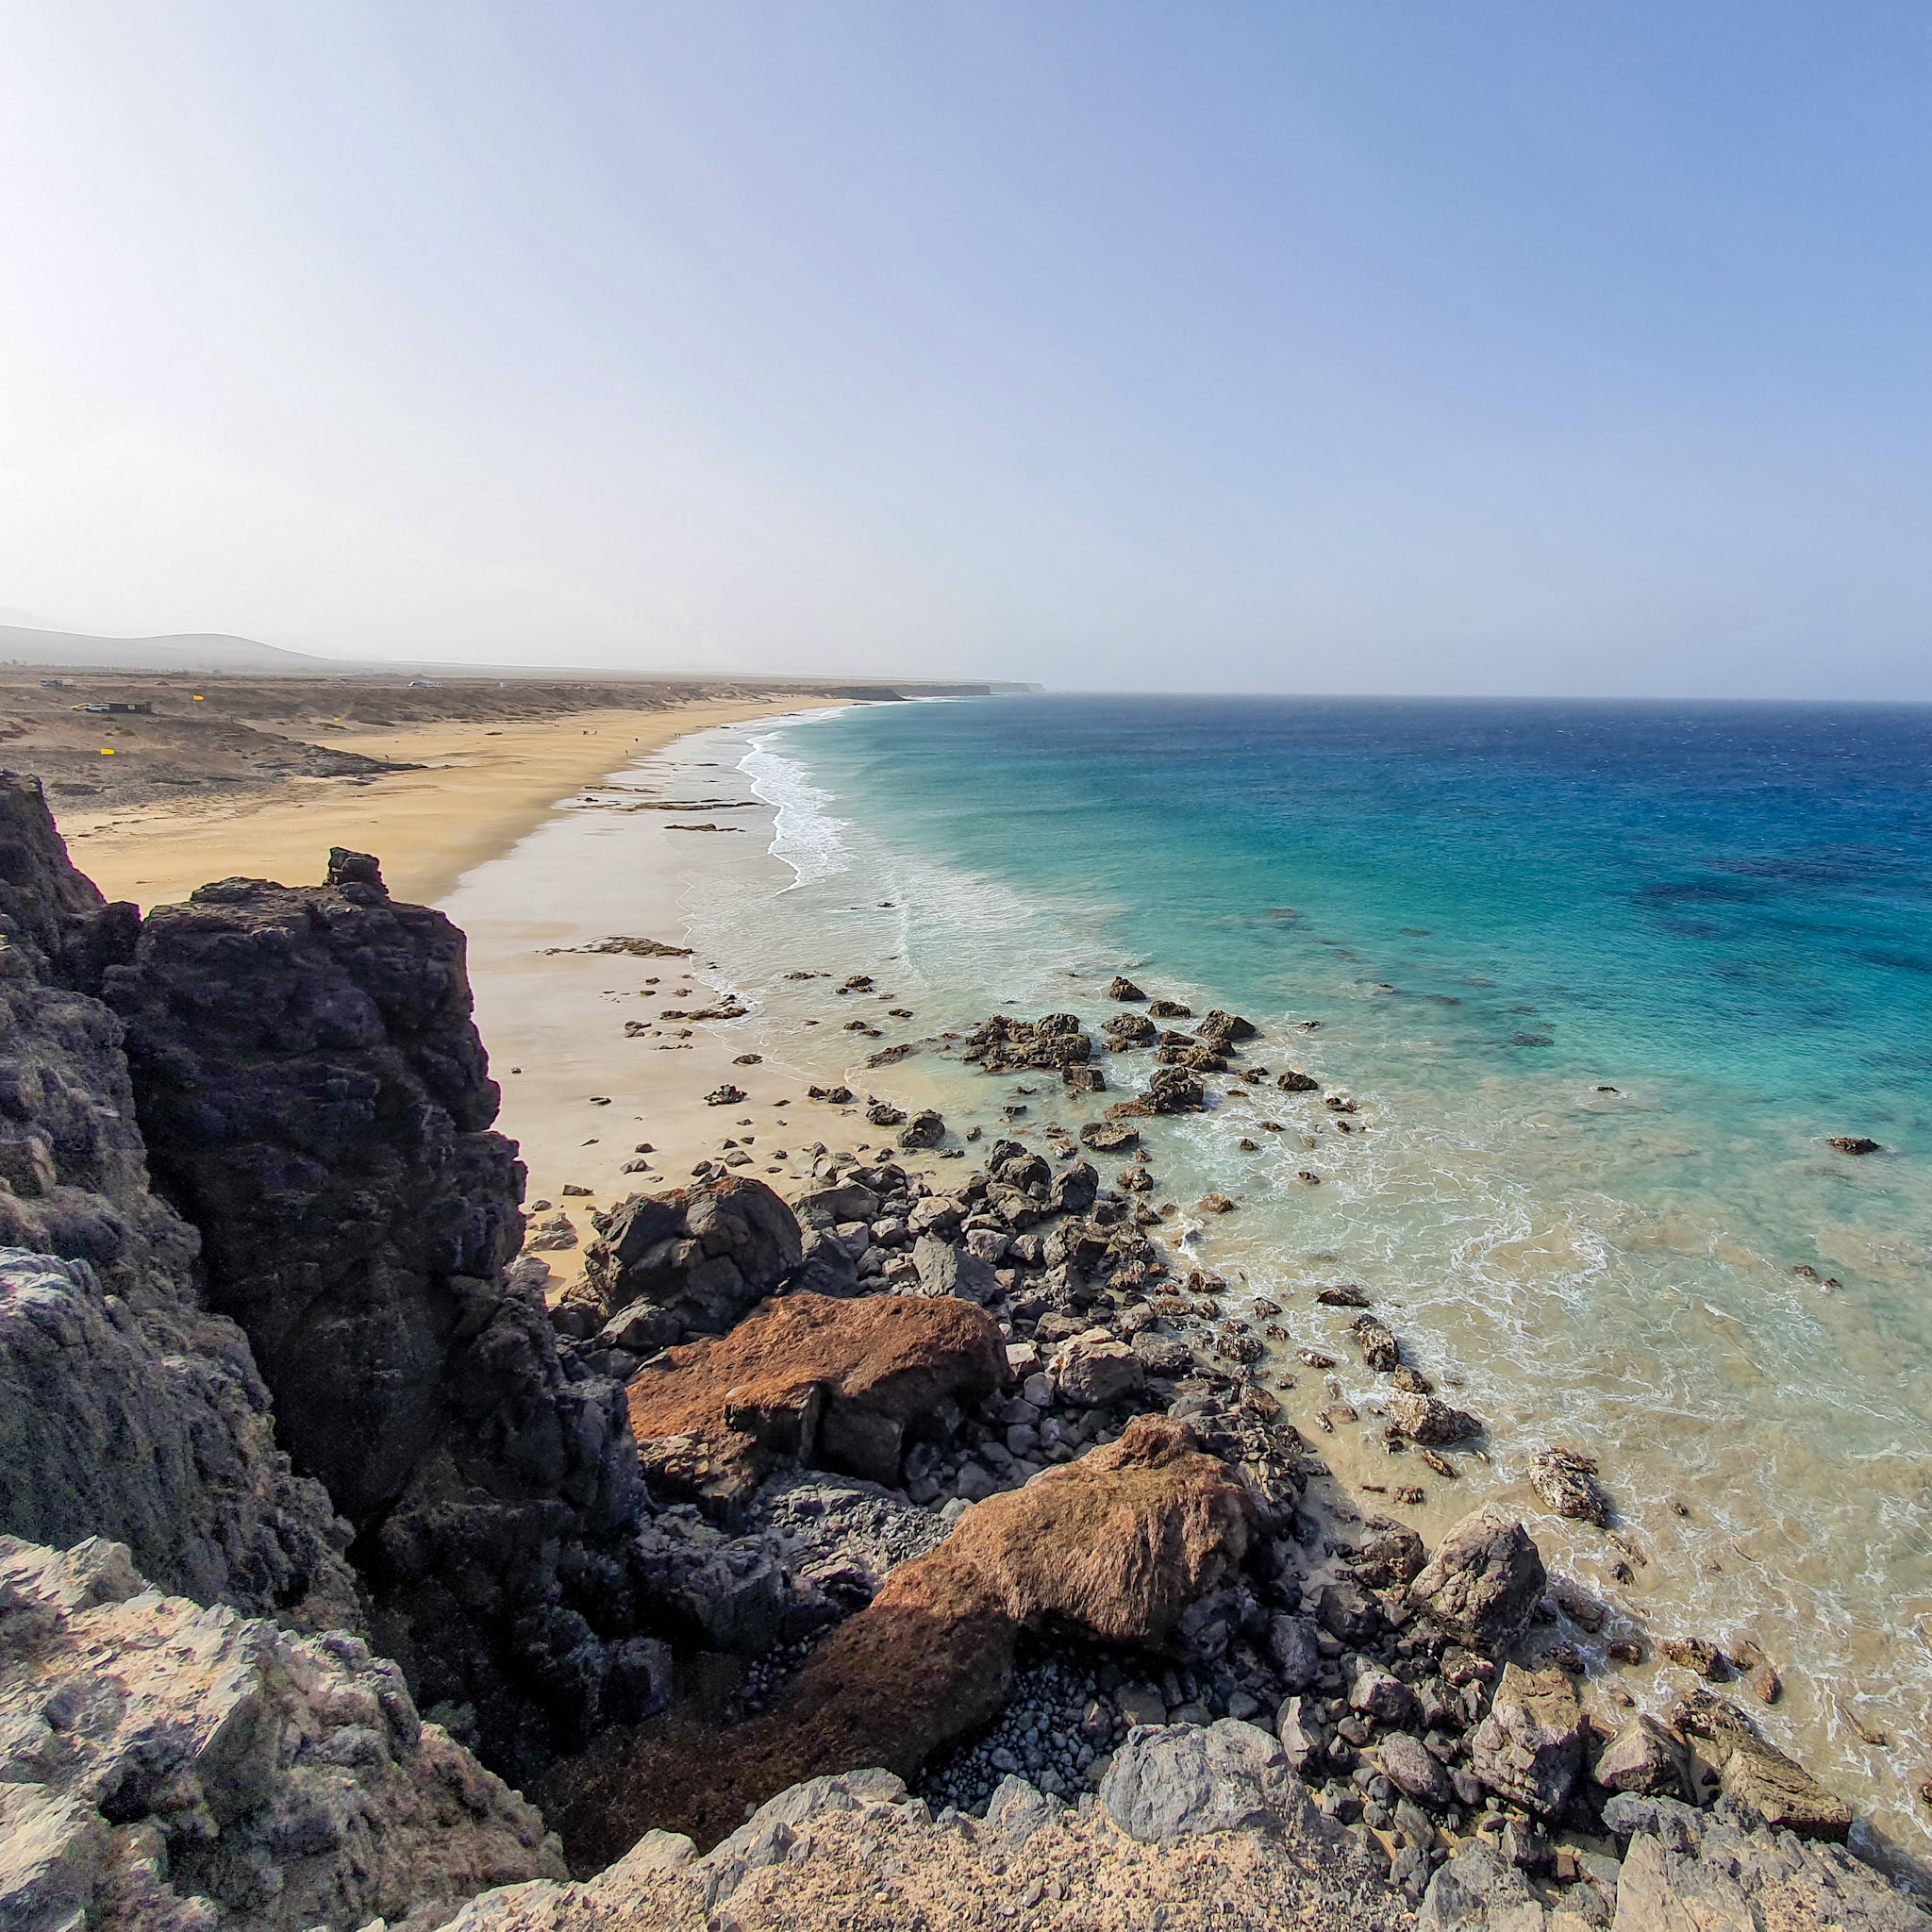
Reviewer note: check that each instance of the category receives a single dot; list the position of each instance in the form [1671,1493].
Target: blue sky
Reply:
[1539,347]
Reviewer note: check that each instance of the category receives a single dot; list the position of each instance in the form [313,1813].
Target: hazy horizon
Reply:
[1233,348]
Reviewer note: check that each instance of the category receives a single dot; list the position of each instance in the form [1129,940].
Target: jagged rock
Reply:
[1162,1354]
[808,1380]
[1094,1371]
[1429,1420]
[1118,988]
[1376,1693]
[1293,1645]
[1126,1031]
[1566,1480]
[1483,1584]
[1225,1027]
[1300,1731]
[1391,1559]
[167,1765]
[1172,1089]
[944,1270]
[1347,1611]
[1478,1889]
[1376,1341]
[1006,1045]
[1531,1747]
[1726,1867]
[314,1094]
[1756,1774]
[1698,1656]
[1292,1080]
[926,1130]
[1185,1780]
[1116,1546]
[1646,1758]
[167,1448]
[702,1257]
[126,1408]
[1109,1136]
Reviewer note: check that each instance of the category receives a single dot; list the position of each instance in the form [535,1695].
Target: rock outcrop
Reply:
[166,1767]
[694,1262]
[811,1380]
[315,1098]
[126,1408]
[1118,1545]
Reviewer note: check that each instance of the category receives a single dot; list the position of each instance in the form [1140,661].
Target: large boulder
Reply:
[1529,1748]
[1176,1781]
[168,1765]
[1647,1757]
[1094,1370]
[1115,1547]
[314,1096]
[695,1261]
[811,1379]
[1483,1584]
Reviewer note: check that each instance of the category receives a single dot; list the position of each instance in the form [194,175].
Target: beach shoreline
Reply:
[480,787]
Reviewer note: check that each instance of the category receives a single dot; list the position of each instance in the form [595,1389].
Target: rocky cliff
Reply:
[316,1101]
[128,1410]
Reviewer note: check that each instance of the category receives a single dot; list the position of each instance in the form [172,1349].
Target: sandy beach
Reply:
[483,786]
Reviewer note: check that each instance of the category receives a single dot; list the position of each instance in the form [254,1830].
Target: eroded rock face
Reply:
[1483,1584]
[125,1407]
[809,1379]
[697,1260]
[1118,1544]
[314,1096]
[166,1764]
[121,1427]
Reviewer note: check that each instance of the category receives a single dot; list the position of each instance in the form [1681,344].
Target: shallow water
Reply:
[1494,912]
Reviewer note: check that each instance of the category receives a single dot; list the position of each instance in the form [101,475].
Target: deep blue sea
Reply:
[1601,979]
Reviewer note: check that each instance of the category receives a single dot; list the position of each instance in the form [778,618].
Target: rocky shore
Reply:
[924,1548]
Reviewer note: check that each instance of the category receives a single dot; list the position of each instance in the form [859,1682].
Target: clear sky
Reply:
[1541,347]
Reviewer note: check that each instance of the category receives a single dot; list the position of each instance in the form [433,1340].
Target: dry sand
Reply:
[484,788]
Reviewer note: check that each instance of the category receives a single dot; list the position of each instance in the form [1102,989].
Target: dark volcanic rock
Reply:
[126,1408]
[315,1098]
[694,1262]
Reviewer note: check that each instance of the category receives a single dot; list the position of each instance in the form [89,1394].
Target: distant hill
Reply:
[190,651]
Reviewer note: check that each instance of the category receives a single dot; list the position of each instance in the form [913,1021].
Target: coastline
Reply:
[582,1093]
[483,787]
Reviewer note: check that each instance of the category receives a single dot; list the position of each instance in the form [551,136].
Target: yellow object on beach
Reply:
[106,751]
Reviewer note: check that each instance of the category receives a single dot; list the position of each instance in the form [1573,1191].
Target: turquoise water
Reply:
[1494,912]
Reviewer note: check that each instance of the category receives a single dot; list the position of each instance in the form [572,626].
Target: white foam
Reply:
[804,835]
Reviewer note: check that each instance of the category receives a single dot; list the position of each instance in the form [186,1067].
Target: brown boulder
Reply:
[809,1379]
[1116,1545]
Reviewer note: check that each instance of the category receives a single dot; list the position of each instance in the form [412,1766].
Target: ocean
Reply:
[1603,981]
